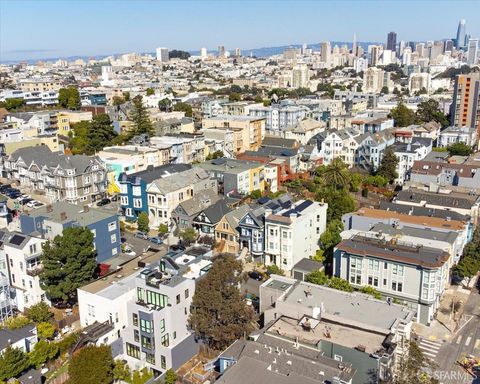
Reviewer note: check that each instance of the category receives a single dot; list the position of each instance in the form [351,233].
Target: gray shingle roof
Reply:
[11,336]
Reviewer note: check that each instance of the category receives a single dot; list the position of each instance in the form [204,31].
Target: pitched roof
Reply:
[435,168]
[11,336]
[199,202]
[451,200]
[180,180]
[153,173]
[216,211]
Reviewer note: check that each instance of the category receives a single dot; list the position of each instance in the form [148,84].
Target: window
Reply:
[186,293]
[137,203]
[157,299]
[123,200]
[150,358]
[163,362]
[165,341]
[178,299]
[146,342]
[174,335]
[112,226]
[146,326]
[397,270]
[162,325]
[91,310]
[133,351]
[136,335]
[33,249]
[140,294]
[135,319]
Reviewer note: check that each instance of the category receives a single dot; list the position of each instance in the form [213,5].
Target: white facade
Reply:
[292,234]
[417,81]
[162,55]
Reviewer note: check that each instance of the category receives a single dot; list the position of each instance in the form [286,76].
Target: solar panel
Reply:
[17,240]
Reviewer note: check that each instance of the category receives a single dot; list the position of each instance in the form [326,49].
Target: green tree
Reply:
[12,103]
[340,284]
[402,115]
[331,237]
[188,235]
[413,367]
[163,229]
[42,352]
[69,98]
[117,100]
[150,91]
[184,107]
[339,202]
[384,90]
[215,155]
[79,142]
[219,314]
[274,269]
[126,96]
[356,180]
[317,277]
[371,291]
[140,118]
[39,312]
[142,222]
[100,133]
[141,377]
[388,165]
[165,105]
[256,194]
[467,267]
[45,330]
[121,371]
[460,149]
[69,261]
[91,362]
[13,361]
[429,110]
[170,377]
[335,174]
[234,97]
[17,322]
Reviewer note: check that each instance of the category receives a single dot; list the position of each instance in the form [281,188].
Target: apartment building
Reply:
[8,303]
[50,221]
[374,79]
[165,194]
[279,116]
[420,81]
[133,187]
[181,149]
[413,274]
[236,175]
[465,108]
[65,119]
[248,131]
[292,233]
[452,135]
[157,335]
[22,254]
[371,148]
[408,153]
[39,85]
[239,108]
[370,337]
[75,179]
[337,144]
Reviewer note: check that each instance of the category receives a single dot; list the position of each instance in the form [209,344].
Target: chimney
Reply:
[85,208]
[49,208]
[63,216]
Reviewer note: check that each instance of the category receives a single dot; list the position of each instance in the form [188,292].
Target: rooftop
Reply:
[453,200]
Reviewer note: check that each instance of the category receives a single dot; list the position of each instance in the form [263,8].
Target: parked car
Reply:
[255,275]
[176,247]
[155,239]
[4,187]
[38,204]
[23,197]
[32,203]
[26,201]
[103,202]
[141,235]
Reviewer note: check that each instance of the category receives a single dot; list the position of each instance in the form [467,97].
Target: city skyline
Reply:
[192,25]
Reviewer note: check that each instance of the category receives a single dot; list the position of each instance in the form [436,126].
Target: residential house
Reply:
[23,338]
[371,148]
[133,187]
[187,210]
[8,304]
[164,194]
[304,130]
[333,144]
[407,154]
[50,221]
[75,179]
[181,149]
[227,231]
[292,233]
[452,135]
[411,273]
[65,119]
[207,219]
[279,116]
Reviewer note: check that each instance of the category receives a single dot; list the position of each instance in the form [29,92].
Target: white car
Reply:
[23,197]
[32,203]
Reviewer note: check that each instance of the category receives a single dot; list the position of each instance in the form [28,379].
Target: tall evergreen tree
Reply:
[388,165]
[100,133]
[219,314]
[140,118]
[402,115]
[13,361]
[92,364]
[69,261]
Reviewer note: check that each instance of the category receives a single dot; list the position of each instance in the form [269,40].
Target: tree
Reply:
[371,291]
[100,133]
[164,104]
[170,377]
[429,110]
[256,194]
[188,235]
[140,118]
[317,277]
[45,330]
[356,180]
[12,103]
[215,155]
[142,222]
[412,367]
[339,202]
[91,362]
[150,91]
[219,314]
[234,97]
[384,90]
[141,377]
[274,269]
[460,149]
[176,53]
[121,371]
[79,141]
[184,107]
[69,98]
[17,322]
[336,174]
[163,229]
[117,100]
[39,312]
[467,267]
[331,237]
[402,115]
[388,165]
[69,261]
[13,361]
[126,96]
[42,352]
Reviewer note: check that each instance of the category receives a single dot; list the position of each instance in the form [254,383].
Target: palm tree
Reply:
[336,174]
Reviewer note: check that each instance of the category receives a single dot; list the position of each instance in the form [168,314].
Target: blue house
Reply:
[51,220]
[133,188]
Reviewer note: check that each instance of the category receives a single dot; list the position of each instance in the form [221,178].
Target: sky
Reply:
[61,28]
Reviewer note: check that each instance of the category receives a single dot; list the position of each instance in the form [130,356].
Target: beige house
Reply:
[226,231]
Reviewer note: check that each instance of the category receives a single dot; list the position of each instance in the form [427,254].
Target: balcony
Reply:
[34,270]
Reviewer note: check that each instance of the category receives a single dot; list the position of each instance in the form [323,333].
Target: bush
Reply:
[17,322]
[39,312]
[163,229]
[371,291]
[275,270]
[45,330]
[142,222]
[42,352]
[66,343]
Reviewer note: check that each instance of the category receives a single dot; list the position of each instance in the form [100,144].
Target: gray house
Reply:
[187,210]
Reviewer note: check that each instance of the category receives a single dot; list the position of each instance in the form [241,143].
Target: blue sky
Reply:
[42,29]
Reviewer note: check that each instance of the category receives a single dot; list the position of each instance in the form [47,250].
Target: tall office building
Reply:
[238,52]
[162,55]
[325,52]
[392,41]
[420,49]
[401,47]
[472,55]
[375,53]
[203,53]
[300,76]
[354,45]
[465,109]
[461,30]
[448,45]
[221,51]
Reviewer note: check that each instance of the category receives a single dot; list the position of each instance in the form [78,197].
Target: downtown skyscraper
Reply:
[461,31]
[392,41]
